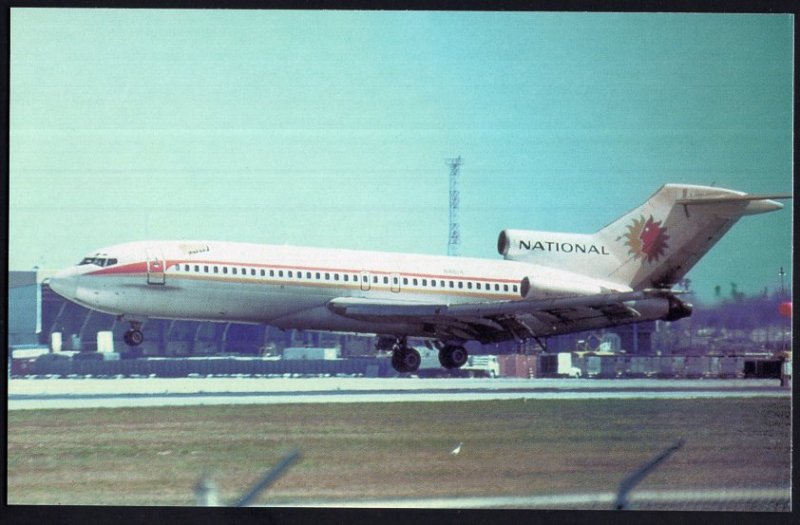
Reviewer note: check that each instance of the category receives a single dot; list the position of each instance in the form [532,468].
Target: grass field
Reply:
[154,456]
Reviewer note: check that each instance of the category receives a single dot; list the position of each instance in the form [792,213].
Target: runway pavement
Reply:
[46,393]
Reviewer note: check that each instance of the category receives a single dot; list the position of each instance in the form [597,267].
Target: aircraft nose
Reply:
[65,283]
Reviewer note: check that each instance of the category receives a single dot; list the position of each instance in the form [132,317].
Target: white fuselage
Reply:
[285,286]
[548,283]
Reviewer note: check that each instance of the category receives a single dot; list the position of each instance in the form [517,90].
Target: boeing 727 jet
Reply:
[546,284]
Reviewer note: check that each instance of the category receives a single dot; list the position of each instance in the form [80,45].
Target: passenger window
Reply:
[405,280]
[216,269]
[469,285]
[280,273]
[496,287]
[505,287]
[290,273]
[460,284]
[385,280]
[478,286]
[336,277]
[234,271]
[433,282]
[308,275]
[263,273]
[205,269]
[318,275]
[414,282]
[224,269]
[424,282]
[327,276]
[253,271]
[375,279]
[272,273]
[346,277]
[515,287]
[197,268]
[452,285]
[396,280]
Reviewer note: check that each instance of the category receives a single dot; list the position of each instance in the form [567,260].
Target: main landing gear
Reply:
[453,356]
[406,359]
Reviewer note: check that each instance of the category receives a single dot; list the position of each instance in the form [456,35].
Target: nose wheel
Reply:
[133,337]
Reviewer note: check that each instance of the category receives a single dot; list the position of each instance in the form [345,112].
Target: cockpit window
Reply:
[98,261]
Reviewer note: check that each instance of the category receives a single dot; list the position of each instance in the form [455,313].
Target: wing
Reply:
[504,320]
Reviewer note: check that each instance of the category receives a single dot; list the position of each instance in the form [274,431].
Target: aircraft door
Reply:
[156,266]
[395,280]
[365,281]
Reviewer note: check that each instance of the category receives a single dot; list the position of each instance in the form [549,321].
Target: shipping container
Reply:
[762,368]
[728,367]
[310,353]
[640,366]
[22,367]
[695,366]
[665,367]
[679,366]
[548,365]
[517,365]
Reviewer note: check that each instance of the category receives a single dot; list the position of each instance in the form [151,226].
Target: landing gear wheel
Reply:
[397,364]
[410,359]
[406,359]
[453,356]
[133,337]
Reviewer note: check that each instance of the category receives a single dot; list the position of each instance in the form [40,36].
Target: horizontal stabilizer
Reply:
[735,198]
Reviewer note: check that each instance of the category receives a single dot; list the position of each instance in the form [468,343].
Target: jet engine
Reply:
[549,287]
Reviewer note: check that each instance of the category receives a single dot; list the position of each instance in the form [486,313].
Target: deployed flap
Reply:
[518,319]
[371,308]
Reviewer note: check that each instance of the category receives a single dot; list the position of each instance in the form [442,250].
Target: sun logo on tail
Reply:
[646,239]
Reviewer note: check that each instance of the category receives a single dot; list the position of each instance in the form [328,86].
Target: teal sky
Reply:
[332,128]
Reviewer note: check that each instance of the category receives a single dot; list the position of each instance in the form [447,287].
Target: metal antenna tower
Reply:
[454,239]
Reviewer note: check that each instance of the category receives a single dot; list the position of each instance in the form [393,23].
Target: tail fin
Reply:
[654,245]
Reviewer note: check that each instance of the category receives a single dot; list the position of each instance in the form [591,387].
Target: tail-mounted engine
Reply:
[677,309]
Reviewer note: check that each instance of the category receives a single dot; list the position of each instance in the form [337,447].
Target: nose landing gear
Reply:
[134,336]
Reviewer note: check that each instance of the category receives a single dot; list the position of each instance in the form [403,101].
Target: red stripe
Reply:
[137,267]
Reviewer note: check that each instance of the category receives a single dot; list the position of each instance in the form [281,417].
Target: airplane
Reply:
[547,283]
